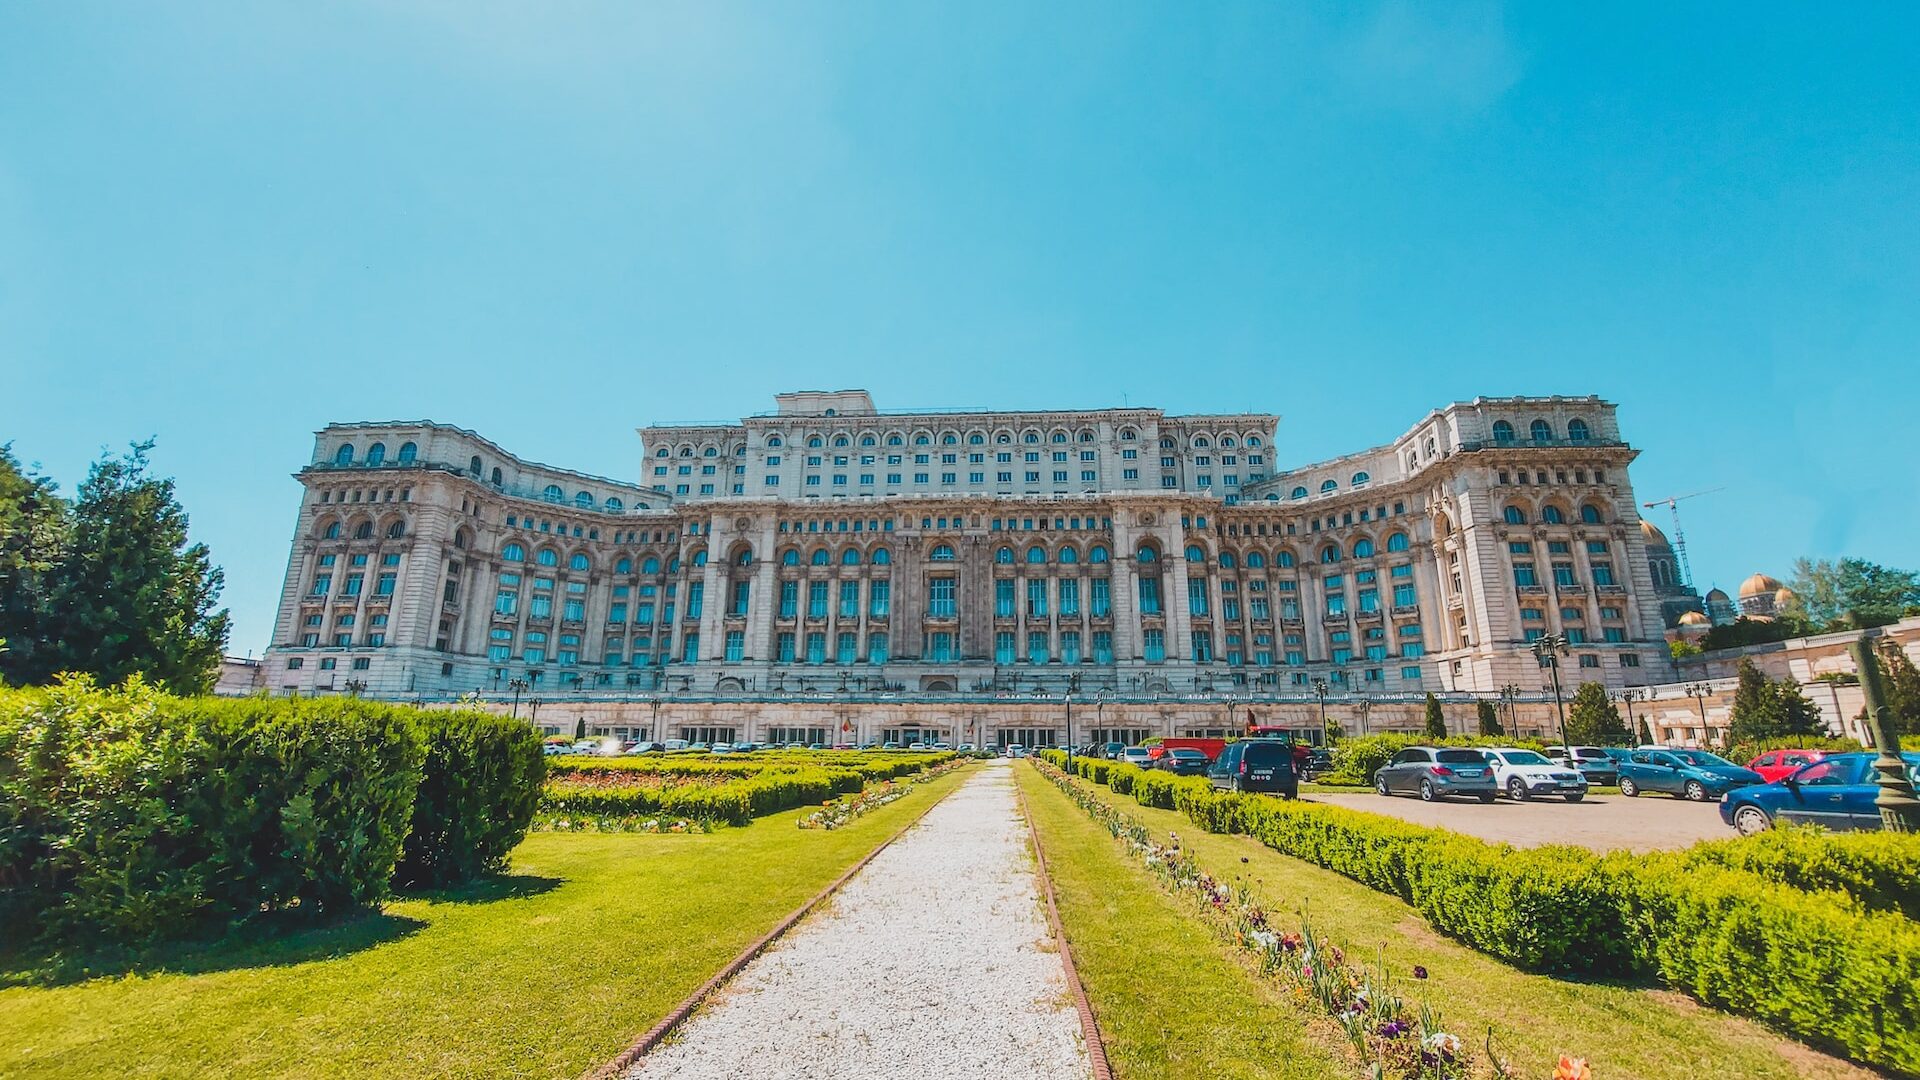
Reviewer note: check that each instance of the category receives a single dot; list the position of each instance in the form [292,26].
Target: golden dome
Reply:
[1695,618]
[1759,584]
[1784,596]
[1653,535]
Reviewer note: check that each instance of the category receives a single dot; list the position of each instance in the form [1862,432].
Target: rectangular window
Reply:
[696,598]
[850,599]
[1070,646]
[877,648]
[1149,595]
[783,647]
[1369,599]
[1523,576]
[1156,646]
[384,586]
[1259,609]
[736,645]
[846,648]
[1003,598]
[742,594]
[1229,607]
[1562,573]
[690,648]
[1103,647]
[1069,598]
[1003,647]
[644,612]
[574,611]
[1196,596]
[541,607]
[789,599]
[1101,603]
[879,596]
[816,648]
[506,602]
[353,584]
[940,598]
[1603,574]
[1202,647]
[1337,604]
[1037,647]
[1037,598]
[940,647]
[1614,634]
[816,599]
[617,612]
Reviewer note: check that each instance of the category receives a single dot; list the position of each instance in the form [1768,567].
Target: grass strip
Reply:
[1170,1001]
[547,972]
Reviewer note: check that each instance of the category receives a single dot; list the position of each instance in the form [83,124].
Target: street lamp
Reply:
[1364,706]
[1899,808]
[518,686]
[1510,697]
[355,686]
[1320,691]
[1548,649]
[1700,692]
[1630,695]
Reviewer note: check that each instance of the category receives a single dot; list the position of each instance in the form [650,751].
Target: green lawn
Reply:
[1170,1001]
[1625,1031]
[592,939]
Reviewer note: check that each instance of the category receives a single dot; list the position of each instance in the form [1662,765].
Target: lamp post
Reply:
[1548,649]
[1898,806]
[518,687]
[1630,695]
[534,716]
[1364,707]
[355,686]
[1510,697]
[654,732]
[1699,692]
[1320,691]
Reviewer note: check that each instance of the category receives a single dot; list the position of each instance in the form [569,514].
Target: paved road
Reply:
[934,961]
[1602,822]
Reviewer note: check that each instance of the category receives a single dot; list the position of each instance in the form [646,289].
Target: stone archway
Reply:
[938,685]
[729,685]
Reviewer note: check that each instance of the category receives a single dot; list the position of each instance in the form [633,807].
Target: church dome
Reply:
[1653,535]
[1717,594]
[1695,618]
[1784,596]
[1759,585]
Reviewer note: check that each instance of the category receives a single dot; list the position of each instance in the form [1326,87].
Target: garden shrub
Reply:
[735,802]
[1355,760]
[127,816]
[1879,870]
[1742,752]
[479,787]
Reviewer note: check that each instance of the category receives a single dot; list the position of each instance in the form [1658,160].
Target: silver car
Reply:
[1437,772]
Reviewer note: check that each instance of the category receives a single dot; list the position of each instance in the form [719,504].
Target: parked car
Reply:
[1183,762]
[1016,751]
[1251,765]
[1137,755]
[1111,751]
[1596,763]
[1319,761]
[1780,764]
[1435,773]
[1836,792]
[1691,774]
[1522,774]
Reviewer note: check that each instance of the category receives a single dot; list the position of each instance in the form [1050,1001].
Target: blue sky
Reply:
[226,225]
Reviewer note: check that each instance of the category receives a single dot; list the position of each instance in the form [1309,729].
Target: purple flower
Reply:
[1419,972]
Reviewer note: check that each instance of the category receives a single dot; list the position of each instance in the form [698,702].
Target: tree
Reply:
[1766,709]
[1743,631]
[1489,719]
[1646,733]
[1853,592]
[1593,719]
[33,539]
[1902,681]
[132,595]
[1436,720]
[1680,650]
[1334,732]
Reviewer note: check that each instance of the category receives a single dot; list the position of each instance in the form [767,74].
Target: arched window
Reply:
[1128,435]
[839,441]
[1146,554]
[583,500]
[662,452]
[333,531]
[1330,554]
[790,557]
[1397,542]
[774,440]
[1577,430]
[1513,515]
[1200,440]
[1284,559]
[623,566]
[396,530]
[496,477]
[814,443]
[1329,485]
[1003,556]
[949,439]
[473,467]
[820,557]
[942,553]
[1361,479]
[850,557]
[1097,554]
[1363,548]
[377,454]
[1195,554]
[743,557]
[344,455]
[1253,440]
[651,565]
[1502,431]
[1226,441]
[922,440]
[613,505]
[547,557]
[1591,515]
[882,557]
[1227,561]
[577,562]
[460,539]
[1299,493]
[1030,437]
[893,440]
[1068,555]
[1059,436]
[673,564]
[408,451]
[976,439]
[1256,561]
[553,494]
[513,553]
[363,531]
[1540,431]
[1552,515]
[1036,554]
[700,557]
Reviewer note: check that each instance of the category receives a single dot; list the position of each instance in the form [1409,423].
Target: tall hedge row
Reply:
[479,787]
[129,816]
[1801,929]
[735,802]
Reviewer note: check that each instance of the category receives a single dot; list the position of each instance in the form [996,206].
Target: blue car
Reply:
[1690,774]
[1836,792]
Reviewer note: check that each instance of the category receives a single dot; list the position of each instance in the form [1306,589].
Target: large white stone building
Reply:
[832,568]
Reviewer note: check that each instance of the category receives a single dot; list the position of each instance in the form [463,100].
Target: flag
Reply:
[1250,724]
[846,725]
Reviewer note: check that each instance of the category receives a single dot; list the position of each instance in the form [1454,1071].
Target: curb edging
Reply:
[1089,1026]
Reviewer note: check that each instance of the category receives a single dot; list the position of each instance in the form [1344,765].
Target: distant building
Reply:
[1720,608]
[1677,598]
[1763,597]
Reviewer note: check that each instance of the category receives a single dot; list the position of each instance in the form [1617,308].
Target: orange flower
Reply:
[1572,1069]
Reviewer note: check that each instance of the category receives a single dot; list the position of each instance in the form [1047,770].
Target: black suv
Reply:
[1256,765]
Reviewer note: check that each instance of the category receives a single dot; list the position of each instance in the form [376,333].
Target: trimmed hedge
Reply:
[1732,925]
[735,802]
[128,816]
[479,786]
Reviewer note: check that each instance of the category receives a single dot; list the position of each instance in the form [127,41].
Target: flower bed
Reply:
[837,812]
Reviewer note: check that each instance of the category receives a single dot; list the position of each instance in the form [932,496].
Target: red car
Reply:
[1777,764]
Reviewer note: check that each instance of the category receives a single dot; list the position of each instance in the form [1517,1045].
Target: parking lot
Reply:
[1602,822]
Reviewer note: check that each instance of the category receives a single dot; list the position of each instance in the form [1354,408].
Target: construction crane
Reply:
[1679,535]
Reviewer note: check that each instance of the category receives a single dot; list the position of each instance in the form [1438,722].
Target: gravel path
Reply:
[934,961]
[1602,822]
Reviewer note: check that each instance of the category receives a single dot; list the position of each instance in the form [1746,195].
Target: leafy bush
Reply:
[478,789]
[735,802]
[1743,752]
[1878,870]
[1356,760]
[129,816]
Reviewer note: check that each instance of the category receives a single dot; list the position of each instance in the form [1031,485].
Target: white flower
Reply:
[1442,1043]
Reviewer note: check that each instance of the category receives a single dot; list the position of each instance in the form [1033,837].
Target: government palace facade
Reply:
[829,571]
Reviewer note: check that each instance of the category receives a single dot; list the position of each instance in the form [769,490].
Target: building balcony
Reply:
[1406,609]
